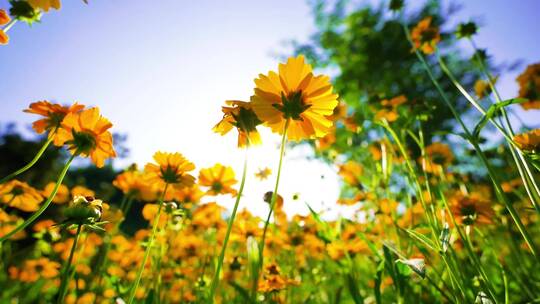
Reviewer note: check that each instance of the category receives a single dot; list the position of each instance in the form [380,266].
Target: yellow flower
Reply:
[241,116]
[54,114]
[45,5]
[219,178]
[351,172]
[529,141]
[171,168]
[8,223]
[20,195]
[4,17]
[33,270]
[82,191]
[62,195]
[133,182]
[481,88]
[425,36]
[438,156]
[295,95]
[529,86]
[471,209]
[86,133]
[263,173]
[4,38]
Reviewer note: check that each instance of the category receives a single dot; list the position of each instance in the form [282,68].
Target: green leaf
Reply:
[492,111]
[416,265]
[422,238]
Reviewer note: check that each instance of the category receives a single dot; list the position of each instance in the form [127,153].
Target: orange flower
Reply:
[133,182]
[529,141]
[54,115]
[295,95]
[171,168]
[4,38]
[263,173]
[8,223]
[471,209]
[425,36]
[62,195]
[20,195]
[33,270]
[86,133]
[351,172]
[529,86]
[438,156]
[219,178]
[45,5]
[82,191]
[241,116]
[4,17]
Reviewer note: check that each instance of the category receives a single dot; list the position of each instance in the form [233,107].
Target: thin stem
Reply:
[148,247]
[496,184]
[9,25]
[215,280]
[272,205]
[31,163]
[508,133]
[66,276]
[36,214]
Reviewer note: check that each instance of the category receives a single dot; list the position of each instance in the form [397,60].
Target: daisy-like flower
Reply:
[20,195]
[86,133]
[471,209]
[53,114]
[263,173]
[219,179]
[4,19]
[425,36]
[529,141]
[295,95]
[240,115]
[529,86]
[45,5]
[4,38]
[351,172]
[438,156]
[135,183]
[62,195]
[33,270]
[81,191]
[172,169]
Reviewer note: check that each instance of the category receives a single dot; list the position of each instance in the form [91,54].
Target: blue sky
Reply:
[160,73]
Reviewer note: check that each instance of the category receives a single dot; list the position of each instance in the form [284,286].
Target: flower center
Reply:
[170,175]
[217,186]
[246,120]
[16,191]
[83,142]
[292,106]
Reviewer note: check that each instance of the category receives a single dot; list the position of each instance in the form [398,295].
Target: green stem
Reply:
[496,184]
[9,25]
[507,133]
[272,205]
[36,214]
[215,280]
[508,126]
[148,247]
[67,269]
[31,163]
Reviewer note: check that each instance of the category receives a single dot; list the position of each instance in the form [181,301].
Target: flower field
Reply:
[443,183]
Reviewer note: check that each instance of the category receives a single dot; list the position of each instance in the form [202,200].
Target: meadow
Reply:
[443,212]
